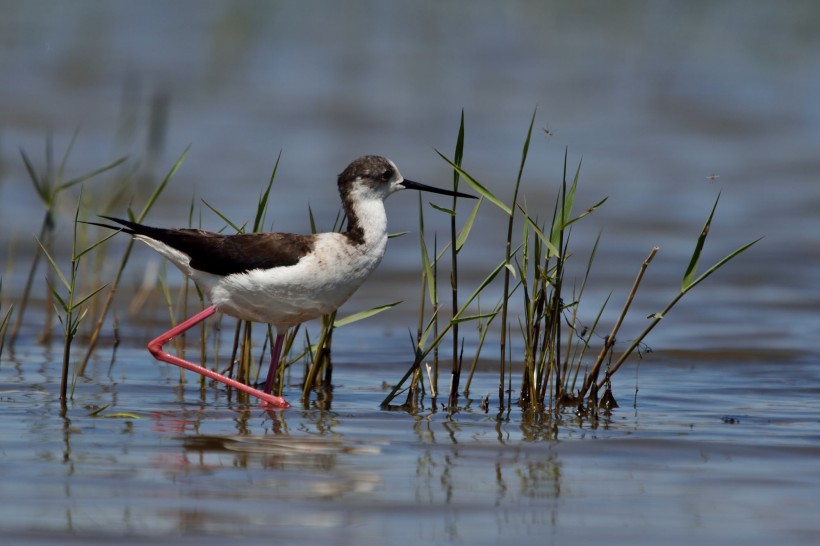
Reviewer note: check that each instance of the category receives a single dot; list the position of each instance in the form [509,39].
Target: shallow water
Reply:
[712,447]
[716,439]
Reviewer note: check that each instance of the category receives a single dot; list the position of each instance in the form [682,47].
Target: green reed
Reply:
[49,186]
[454,249]
[71,308]
[546,307]
[4,321]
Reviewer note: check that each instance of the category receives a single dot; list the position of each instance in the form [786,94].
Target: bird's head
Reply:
[376,177]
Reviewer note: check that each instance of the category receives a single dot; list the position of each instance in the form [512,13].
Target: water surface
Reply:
[710,448]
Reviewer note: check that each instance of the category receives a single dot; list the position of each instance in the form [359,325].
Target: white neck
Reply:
[367,219]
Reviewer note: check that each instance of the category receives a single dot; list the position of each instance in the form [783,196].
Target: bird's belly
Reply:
[277,304]
[290,295]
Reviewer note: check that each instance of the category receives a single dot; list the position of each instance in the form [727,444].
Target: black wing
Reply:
[225,254]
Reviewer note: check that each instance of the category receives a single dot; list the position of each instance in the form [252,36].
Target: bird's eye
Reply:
[387,175]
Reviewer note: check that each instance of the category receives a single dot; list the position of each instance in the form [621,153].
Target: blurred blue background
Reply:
[667,103]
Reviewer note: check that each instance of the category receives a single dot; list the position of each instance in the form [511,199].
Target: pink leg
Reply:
[155,346]
[276,355]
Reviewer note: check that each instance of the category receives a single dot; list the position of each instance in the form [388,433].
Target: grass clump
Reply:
[49,186]
[70,306]
[556,370]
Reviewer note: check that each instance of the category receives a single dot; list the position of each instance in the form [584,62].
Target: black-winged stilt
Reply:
[282,279]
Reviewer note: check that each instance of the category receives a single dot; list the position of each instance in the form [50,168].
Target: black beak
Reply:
[410,185]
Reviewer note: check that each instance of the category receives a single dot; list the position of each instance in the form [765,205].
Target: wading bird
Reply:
[282,279]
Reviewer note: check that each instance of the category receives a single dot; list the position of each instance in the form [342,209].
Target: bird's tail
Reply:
[132,228]
[124,227]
